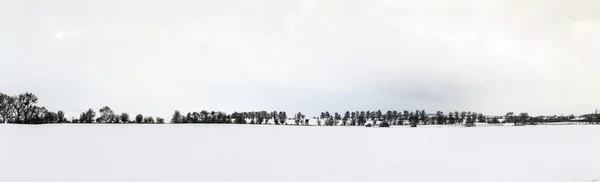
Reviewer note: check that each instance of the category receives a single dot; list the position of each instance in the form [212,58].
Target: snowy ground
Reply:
[215,153]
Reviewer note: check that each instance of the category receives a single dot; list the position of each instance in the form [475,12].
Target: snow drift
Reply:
[152,153]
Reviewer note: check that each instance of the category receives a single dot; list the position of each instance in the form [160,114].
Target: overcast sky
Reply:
[152,57]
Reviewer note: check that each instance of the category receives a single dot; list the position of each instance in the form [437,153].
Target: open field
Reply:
[269,153]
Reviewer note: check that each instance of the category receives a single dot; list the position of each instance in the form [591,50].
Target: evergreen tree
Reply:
[176,117]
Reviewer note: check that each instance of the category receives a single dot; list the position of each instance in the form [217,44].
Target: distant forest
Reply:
[22,109]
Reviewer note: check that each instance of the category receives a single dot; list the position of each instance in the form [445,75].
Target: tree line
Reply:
[22,109]
[393,117]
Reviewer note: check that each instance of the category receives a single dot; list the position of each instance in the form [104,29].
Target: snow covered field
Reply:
[219,153]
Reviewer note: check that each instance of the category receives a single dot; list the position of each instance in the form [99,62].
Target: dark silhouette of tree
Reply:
[522,119]
[471,117]
[176,117]
[414,118]
[238,118]
[61,117]
[283,118]
[139,118]
[481,118]
[6,108]
[49,117]
[509,117]
[36,115]
[362,118]
[495,120]
[440,117]
[346,117]
[384,125]
[353,118]
[299,118]
[463,115]
[261,117]
[106,115]
[115,118]
[148,120]
[124,118]
[329,121]
[337,118]
[160,120]
[388,117]
[396,117]
[376,117]
[275,117]
[457,118]
[406,116]
[24,107]
[87,117]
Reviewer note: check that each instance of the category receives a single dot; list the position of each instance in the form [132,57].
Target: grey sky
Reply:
[153,57]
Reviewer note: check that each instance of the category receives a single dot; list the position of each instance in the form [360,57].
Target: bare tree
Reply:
[24,106]
[6,108]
